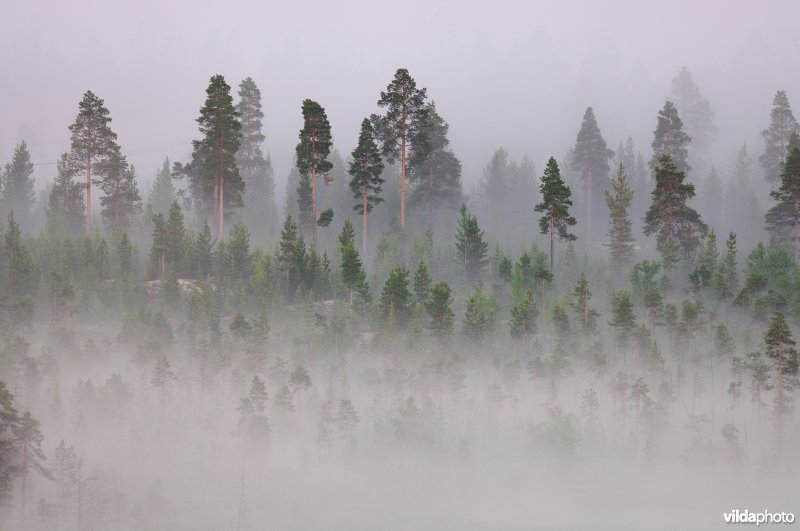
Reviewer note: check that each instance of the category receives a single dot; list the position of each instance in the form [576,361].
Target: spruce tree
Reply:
[66,205]
[214,180]
[695,112]
[422,284]
[669,139]
[21,277]
[523,318]
[471,248]
[438,306]
[434,170]
[366,168]
[312,153]
[776,138]
[555,207]
[783,219]
[729,263]
[350,269]
[395,302]
[678,227]
[162,194]
[620,235]
[398,130]
[590,162]
[255,168]
[92,142]
[623,319]
[287,249]
[18,183]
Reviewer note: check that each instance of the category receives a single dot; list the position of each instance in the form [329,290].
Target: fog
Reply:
[569,305]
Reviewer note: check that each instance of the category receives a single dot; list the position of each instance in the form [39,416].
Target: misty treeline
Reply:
[637,303]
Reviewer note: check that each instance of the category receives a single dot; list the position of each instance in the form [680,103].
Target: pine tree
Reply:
[256,170]
[677,226]
[590,162]
[695,112]
[18,184]
[312,153]
[729,263]
[66,206]
[422,284]
[162,194]
[480,316]
[669,139]
[366,168]
[28,442]
[351,270]
[780,347]
[471,248]
[288,256]
[438,306]
[623,320]
[555,207]
[395,303]
[21,278]
[620,235]
[433,169]
[523,318]
[214,180]
[202,252]
[92,142]
[587,316]
[776,138]
[398,130]
[783,220]
[121,202]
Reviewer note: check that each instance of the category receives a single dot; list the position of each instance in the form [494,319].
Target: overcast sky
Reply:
[516,74]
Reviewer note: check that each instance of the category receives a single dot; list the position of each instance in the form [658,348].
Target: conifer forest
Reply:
[430,266]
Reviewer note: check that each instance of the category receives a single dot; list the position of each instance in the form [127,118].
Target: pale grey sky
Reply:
[511,73]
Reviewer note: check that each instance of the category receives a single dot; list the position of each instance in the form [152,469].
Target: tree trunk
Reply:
[88,194]
[221,209]
[552,238]
[589,206]
[403,183]
[313,194]
[364,227]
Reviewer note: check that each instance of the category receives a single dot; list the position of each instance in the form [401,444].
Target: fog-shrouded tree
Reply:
[670,139]
[623,318]
[214,181]
[398,130]
[351,271]
[162,193]
[776,138]
[433,169]
[504,194]
[121,202]
[556,200]
[66,205]
[366,168]
[783,219]
[92,142]
[312,154]
[590,161]
[523,318]
[438,305]
[620,235]
[17,193]
[780,346]
[695,112]
[256,169]
[677,226]
[586,315]
[396,299]
[471,248]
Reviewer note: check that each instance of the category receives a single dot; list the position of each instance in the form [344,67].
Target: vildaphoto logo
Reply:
[765,517]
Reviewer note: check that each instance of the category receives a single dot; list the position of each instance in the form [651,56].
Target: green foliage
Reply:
[523,318]
[620,234]
[366,168]
[783,219]
[395,302]
[623,319]
[471,248]
[18,182]
[669,139]
[776,138]
[422,284]
[438,306]
[480,316]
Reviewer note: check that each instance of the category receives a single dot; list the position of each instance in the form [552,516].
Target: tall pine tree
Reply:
[399,129]
[312,153]
[678,227]
[554,207]
[471,248]
[590,161]
[18,194]
[366,168]
[695,112]
[776,138]
[66,206]
[783,220]
[92,142]
[620,235]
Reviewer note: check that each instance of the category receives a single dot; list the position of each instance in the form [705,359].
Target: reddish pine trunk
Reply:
[364,227]
[221,209]
[313,194]
[88,193]
[403,183]
[589,206]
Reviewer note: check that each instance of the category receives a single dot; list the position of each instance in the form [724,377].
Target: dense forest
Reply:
[208,353]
